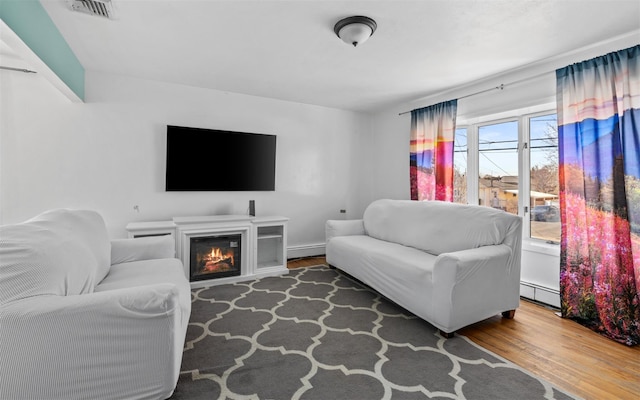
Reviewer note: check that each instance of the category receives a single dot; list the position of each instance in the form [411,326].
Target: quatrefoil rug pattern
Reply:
[318,334]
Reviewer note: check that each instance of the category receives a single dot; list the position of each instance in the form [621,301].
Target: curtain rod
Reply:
[499,87]
[28,71]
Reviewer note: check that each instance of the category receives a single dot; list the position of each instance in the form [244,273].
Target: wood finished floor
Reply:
[561,351]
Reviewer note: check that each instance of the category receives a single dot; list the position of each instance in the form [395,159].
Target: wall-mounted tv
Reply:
[217,160]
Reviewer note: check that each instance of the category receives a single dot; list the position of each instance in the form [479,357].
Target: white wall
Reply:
[108,153]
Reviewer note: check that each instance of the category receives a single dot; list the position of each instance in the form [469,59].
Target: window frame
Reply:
[526,166]
[523,119]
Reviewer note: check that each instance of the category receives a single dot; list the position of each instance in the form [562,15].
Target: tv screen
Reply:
[215,160]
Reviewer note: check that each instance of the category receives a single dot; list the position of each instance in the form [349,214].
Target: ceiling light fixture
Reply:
[355,30]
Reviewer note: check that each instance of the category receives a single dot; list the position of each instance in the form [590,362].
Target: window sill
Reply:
[539,246]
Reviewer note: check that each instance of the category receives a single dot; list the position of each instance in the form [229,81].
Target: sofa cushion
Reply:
[150,272]
[434,226]
[144,272]
[59,252]
[405,264]
[401,273]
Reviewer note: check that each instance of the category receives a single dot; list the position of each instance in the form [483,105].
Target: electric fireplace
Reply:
[215,257]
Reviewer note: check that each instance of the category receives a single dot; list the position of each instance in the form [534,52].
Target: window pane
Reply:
[545,211]
[460,166]
[498,166]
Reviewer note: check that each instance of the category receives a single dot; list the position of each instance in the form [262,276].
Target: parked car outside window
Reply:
[545,214]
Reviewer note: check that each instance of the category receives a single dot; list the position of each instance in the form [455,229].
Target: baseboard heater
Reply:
[307,250]
[539,293]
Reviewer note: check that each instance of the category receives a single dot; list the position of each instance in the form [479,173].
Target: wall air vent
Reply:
[101,8]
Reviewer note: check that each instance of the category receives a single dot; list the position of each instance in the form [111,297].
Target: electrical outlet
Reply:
[343,211]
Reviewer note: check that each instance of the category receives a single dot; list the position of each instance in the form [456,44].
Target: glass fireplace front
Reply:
[215,257]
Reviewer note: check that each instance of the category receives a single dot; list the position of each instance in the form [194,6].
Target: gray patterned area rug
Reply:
[318,334]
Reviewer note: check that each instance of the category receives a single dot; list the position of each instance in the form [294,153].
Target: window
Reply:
[498,166]
[543,156]
[499,153]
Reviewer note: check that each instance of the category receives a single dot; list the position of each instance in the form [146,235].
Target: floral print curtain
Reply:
[599,144]
[431,157]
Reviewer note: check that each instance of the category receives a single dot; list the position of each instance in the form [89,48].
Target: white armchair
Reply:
[74,326]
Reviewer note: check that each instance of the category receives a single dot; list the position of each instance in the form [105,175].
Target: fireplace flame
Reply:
[216,257]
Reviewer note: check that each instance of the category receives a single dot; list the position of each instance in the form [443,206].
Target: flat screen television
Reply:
[216,160]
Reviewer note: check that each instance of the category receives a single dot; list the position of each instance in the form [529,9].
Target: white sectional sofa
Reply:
[83,317]
[450,264]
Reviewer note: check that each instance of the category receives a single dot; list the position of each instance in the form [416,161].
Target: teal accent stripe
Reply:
[29,20]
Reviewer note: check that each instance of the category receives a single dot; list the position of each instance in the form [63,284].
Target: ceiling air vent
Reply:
[101,8]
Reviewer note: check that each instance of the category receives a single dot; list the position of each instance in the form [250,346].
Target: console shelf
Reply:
[264,238]
[271,244]
[268,236]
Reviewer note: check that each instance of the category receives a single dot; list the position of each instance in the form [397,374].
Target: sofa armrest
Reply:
[475,281]
[76,313]
[339,227]
[143,248]
[100,340]
[488,262]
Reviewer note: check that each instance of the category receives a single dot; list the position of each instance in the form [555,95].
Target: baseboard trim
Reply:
[305,250]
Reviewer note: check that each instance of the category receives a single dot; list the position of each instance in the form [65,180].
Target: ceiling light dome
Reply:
[355,30]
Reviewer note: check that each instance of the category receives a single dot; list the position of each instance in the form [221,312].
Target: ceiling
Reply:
[287,49]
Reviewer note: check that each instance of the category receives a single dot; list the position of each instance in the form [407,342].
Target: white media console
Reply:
[263,242]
